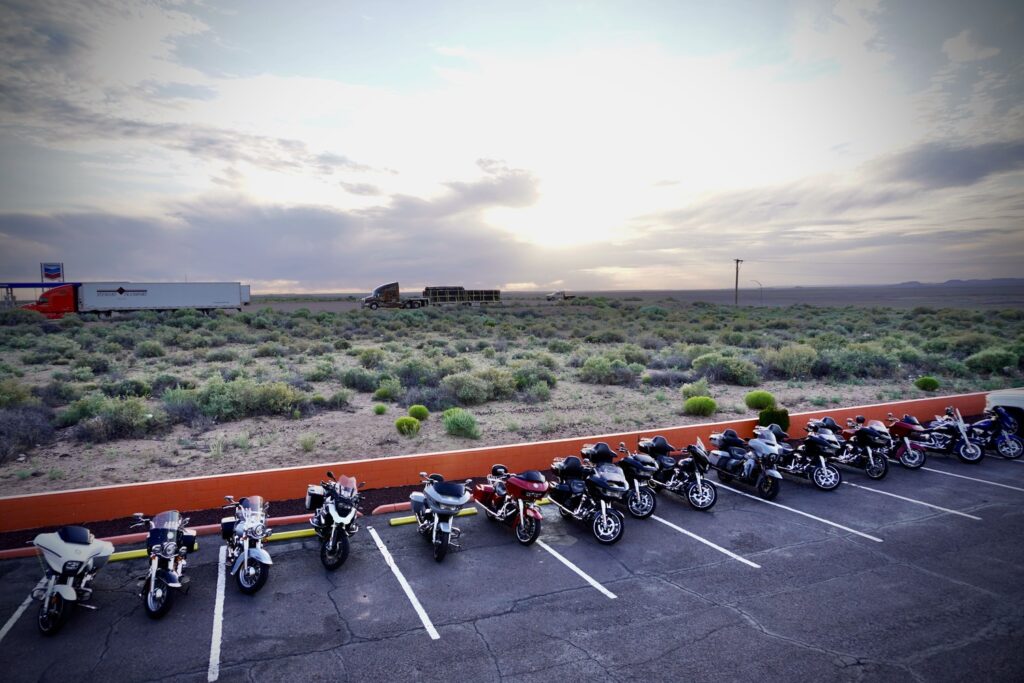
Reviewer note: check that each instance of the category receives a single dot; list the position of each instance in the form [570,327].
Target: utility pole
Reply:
[738,261]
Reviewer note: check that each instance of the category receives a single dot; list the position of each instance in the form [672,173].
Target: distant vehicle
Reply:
[560,295]
[108,297]
[1011,400]
[389,296]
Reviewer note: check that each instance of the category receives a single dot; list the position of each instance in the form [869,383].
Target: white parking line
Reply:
[805,514]
[218,618]
[706,542]
[21,610]
[586,577]
[983,481]
[404,584]
[914,500]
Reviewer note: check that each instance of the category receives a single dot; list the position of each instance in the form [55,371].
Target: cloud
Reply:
[963,48]
[938,165]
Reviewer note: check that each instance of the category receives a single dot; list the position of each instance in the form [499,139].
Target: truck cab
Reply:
[389,296]
[55,302]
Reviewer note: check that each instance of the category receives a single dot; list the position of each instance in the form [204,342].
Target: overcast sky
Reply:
[332,146]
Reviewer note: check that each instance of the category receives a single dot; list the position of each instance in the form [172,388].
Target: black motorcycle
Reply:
[948,435]
[244,533]
[867,447]
[435,507]
[808,460]
[638,469]
[685,476]
[751,463]
[997,431]
[335,502]
[585,491]
[169,543]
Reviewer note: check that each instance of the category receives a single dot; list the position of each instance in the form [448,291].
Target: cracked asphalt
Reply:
[940,599]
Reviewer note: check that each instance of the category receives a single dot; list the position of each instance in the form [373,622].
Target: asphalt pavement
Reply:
[846,585]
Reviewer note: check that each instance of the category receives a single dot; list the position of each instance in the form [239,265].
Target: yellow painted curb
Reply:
[411,519]
[129,555]
[288,535]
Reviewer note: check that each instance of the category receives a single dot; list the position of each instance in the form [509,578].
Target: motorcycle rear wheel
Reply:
[608,530]
[52,614]
[1010,446]
[441,545]
[911,458]
[641,505]
[333,560]
[879,469]
[251,583]
[768,488]
[723,477]
[527,530]
[827,478]
[969,452]
[157,598]
[702,496]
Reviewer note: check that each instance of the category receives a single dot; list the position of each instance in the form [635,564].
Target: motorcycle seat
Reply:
[737,452]
[78,535]
[659,445]
[572,468]
[599,452]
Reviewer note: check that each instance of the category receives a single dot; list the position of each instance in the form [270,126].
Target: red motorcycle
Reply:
[512,499]
[906,433]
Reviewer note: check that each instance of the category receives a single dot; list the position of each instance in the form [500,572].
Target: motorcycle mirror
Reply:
[229,499]
[860,419]
[361,484]
[949,411]
[469,482]
[137,515]
[330,475]
[423,475]
[700,444]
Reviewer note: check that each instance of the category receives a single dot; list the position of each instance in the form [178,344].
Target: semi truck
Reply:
[110,297]
[389,296]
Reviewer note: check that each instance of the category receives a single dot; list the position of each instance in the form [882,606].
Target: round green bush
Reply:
[380,409]
[926,383]
[407,426]
[419,412]
[149,349]
[779,416]
[459,422]
[698,388]
[700,405]
[991,360]
[759,400]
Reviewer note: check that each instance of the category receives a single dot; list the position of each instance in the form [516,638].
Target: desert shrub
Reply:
[501,383]
[559,346]
[759,400]
[163,382]
[319,349]
[360,379]
[79,410]
[606,337]
[793,361]
[715,366]
[776,415]
[120,419]
[537,393]
[698,388]
[222,356]
[225,401]
[434,398]
[149,349]
[127,388]
[418,411]
[856,360]
[371,358]
[380,409]
[467,389]
[407,426]
[96,363]
[970,343]
[340,399]
[528,374]
[270,350]
[631,353]
[459,422]
[20,316]
[13,394]
[388,389]
[991,360]
[926,383]
[700,405]
[602,370]
[23,427]
[321,373]
[55,393]
[181,405]
[414,372]
[664,378]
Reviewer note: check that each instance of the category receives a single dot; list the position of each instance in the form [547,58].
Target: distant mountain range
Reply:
[1001,281]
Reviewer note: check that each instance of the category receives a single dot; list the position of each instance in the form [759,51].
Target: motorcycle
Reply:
[948,435]
[244,533]
[638,469]
[997,431]
[907,434]
[169,543]
[751,463]
[585,491]
[809,460]
[867,447]
[512,499]
[685,476]
[435,507]
[334,504]
[71,557]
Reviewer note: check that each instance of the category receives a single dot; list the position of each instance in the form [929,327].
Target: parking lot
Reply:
[917,576]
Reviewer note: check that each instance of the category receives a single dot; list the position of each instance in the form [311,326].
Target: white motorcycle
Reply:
[245,533]
[71,557]
[335,504]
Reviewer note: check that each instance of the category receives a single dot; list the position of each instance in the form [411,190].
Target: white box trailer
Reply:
[158,296]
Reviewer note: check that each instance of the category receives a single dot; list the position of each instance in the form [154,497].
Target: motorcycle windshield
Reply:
[612,474]
[878,425]
[252,503]
[167,520]
[346,487]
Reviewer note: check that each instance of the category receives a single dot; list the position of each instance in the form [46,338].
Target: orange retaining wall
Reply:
[200,493]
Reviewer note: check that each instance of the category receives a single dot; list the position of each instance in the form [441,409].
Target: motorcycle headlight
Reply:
[259,530]
[170,547]
[155,549]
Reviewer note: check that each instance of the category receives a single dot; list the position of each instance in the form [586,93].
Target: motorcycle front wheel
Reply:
[157,598]
[826,478]
[701,496]
[52,614]
[441,545]
[768,488]
[969,452]
[911,458]
[334,558]
[641,505]
[879,469]
[1009,446]
[609,529]
[527,530]
[253,580]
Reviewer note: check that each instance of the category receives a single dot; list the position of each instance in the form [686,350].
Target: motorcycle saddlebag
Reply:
[227,528]
[314,497]
[190,539]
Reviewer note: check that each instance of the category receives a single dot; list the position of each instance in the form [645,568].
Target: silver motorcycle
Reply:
[245,533]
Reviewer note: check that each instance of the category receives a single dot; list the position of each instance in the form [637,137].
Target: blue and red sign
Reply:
[52,271]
